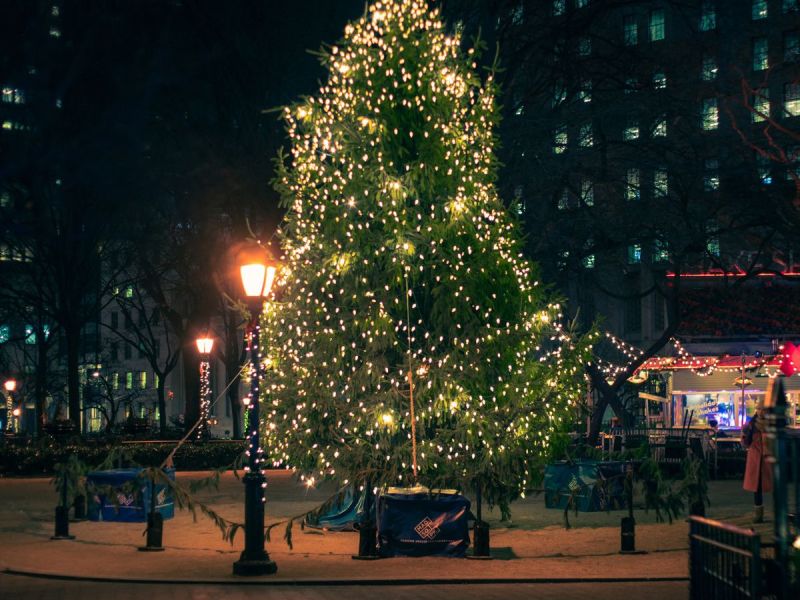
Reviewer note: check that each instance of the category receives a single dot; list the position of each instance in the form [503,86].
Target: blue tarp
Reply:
[344,512]
[128,505]
[422,524]
[590,485]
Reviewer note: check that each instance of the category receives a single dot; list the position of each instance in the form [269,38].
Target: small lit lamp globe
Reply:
[10,385]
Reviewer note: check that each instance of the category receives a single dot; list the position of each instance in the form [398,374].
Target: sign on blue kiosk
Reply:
[113,496]
[419,522]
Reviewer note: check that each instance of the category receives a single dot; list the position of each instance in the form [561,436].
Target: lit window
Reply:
[12,95]
[660,183]
[712,244]
[632,188]
[791,99]
[630,30]
[764,167]
[790,5]
[585,137]
[587,192]
[660,251]
[129,380]
[518,14]
[559,7]
[115,381]
[54,10]
[520,110]
[634,254]
[563,257]
[581,3]
[710,114]
[563,200]
[559,94]
[710,69]
[708,16]
[631,131]
[657,25]
[560,140]
[588,261]
[519,201]
[760,110]
[30,335]
[631,85]
[791,46]
[585,91]
[759,9]
[55,32]
[129,292]
[711,175]
[660,127]
[760,54]
[142,379]
[5,252]
[5,333]
[5,199]
[584,46]
[793,160]
[659,81]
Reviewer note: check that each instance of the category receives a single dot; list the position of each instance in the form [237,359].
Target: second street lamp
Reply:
[204,347]
[10,385]
[257,278]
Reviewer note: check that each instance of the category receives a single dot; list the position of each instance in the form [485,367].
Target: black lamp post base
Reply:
[62,537]
[248,568]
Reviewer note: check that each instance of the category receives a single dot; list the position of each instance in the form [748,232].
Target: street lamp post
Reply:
[204,347]
[257,279]
[10,385]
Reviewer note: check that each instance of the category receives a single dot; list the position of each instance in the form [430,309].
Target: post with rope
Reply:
[257,278]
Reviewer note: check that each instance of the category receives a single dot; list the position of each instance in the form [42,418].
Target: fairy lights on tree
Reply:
[413,343]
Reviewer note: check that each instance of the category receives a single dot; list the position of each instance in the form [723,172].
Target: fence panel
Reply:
[724,561]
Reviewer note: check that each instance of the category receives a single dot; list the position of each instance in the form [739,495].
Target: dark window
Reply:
[114,319]
[128,352]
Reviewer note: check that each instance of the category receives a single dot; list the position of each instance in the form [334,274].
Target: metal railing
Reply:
[724,561]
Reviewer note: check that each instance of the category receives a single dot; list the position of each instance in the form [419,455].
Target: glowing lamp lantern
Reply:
[204,345]
[10,385]
[257,279]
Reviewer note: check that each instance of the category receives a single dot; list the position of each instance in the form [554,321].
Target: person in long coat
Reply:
[758,472]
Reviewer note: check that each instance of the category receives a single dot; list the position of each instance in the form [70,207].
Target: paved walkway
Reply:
[25,588]
[534,548]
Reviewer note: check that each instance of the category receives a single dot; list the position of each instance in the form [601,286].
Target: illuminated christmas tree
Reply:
[413,342]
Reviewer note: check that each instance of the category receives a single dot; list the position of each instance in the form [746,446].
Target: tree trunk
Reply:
[162,405]
[191,368]
[72,335]
[40,387]
[236,411]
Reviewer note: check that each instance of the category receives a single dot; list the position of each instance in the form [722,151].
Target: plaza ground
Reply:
[534,548]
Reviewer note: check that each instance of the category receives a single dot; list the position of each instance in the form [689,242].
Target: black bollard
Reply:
[155,533]
[79,508]
[367,542]
[480,532]
[627,535]
[480,540]
[62,517]
[62,524]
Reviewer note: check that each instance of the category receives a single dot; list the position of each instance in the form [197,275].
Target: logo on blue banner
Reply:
[427,529]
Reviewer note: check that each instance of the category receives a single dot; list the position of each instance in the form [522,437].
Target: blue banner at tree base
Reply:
[113,496]
[586,485]
[417,522]
[345,511]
